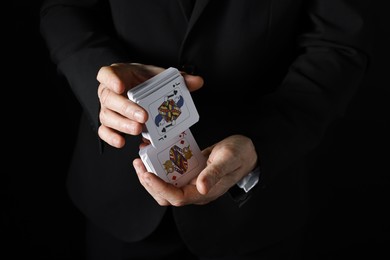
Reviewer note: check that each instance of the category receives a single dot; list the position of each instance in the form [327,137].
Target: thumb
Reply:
[209,177]
[193,82]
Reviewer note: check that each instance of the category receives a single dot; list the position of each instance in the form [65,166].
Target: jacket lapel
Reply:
[198,9]
[196,13]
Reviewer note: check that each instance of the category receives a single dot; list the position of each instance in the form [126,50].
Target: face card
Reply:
[171,111]
[179,161]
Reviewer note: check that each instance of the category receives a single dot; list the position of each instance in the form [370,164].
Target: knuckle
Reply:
[101,75]
[229,151]
[104,94]
[215,172]
[125,108]
[163,203]
[102,116]
[126,127]
[101,132]
[178,203]
[136,128]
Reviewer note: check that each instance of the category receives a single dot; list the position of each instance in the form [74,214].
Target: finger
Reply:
[193,82]
[121,76]
[122,124]
[145,179]
[142,145]
[166,192]
[144,71]
[145,142]
[192,195]
[121,105]
[111,137]
[219,165]
[108,76]
[154,185]
[207,151]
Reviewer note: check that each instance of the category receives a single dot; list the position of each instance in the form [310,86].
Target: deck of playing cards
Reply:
[169,104]
[173,154]
[177,162]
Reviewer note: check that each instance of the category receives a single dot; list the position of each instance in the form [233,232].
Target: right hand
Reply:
[228,161]
[118,114]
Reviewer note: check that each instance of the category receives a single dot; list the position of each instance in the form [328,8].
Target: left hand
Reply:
[118,114]
[228,161]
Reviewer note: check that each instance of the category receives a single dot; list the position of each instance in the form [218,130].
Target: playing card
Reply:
[170,107]
[143,153]
[153,83]
[177,162]
[172,75]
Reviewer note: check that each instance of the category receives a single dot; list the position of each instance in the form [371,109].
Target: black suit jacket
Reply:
[278,71]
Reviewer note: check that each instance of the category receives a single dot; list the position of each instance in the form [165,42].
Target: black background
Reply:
[350,193]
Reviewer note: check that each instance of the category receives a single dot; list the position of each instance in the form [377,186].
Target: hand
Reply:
[228,162]
[119,115]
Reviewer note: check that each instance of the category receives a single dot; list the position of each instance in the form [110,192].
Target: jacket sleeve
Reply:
[77,34]
[319,85]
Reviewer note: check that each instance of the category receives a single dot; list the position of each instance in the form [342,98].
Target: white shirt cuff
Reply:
[250,180]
